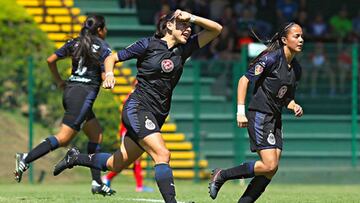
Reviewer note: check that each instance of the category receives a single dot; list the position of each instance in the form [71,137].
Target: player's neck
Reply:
[170,40]
[288,55]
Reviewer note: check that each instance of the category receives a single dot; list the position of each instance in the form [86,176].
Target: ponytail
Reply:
[161,25]
[86,38]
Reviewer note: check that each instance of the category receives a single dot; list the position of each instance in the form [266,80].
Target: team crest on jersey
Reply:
[282,91]
[167,65]
[149,124]
[259,69]
[271,139]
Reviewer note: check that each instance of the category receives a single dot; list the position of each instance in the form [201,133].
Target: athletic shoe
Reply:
[102,189]
[215,183]
[106,181]
[144,189]
[20,166]
[67,161]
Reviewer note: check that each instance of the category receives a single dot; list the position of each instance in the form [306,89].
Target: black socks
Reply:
[47,145]
[165,181]
[255,188]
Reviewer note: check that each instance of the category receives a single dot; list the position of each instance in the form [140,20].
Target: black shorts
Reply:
[78,100]
[139,121]
[265,131]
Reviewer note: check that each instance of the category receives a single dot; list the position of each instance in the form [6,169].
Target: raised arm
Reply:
[211,28]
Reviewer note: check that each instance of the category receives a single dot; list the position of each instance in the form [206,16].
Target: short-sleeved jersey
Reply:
[84,71]
[274,82]
[159,70]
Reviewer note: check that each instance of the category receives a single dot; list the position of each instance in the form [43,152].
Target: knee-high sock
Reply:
[47,145]
[91,149]
[245,170]
[165,181]
[137,173]
[255,188]
[96,161]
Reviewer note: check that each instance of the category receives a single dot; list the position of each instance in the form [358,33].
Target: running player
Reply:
[275,73]
[88,52]
[160,61]
[137,169]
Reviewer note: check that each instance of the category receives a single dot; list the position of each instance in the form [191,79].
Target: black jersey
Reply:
[84,71]
[159,70]
[275,82]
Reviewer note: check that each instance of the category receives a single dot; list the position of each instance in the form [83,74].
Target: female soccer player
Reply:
[160,61]
[275,73]
[88,52]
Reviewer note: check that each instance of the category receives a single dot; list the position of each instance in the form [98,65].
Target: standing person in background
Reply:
[137,169]
[160,62]
[275,73]
[88,52]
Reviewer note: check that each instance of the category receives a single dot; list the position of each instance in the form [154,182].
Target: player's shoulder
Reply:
[269,58]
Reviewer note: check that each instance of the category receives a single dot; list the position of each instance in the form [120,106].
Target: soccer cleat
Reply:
[20,166]
[215,183]
[67,161]
[102,189]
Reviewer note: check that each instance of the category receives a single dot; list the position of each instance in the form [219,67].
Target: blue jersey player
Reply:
[160,61]
[275,73]
[88,52]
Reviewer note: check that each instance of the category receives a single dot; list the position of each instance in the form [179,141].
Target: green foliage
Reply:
[21,39]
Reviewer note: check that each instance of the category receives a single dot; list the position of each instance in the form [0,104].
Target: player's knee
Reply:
[271,168]
[163,155]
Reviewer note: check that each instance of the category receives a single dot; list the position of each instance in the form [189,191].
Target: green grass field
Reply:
[186,191]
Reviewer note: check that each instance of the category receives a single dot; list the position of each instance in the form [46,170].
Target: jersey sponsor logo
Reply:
[167,65]
[149,124]
[282,91]
[271,139]
[259,69]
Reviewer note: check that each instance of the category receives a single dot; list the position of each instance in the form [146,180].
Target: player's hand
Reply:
[109,82]
[182,15]
[61,84]
[298,110]
[242,121]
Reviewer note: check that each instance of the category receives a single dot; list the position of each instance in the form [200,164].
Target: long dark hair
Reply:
[161,25]
[86,38]
[275,41]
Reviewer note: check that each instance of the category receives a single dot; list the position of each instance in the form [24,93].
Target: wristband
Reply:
[109,74]
[241,109]
[192,19]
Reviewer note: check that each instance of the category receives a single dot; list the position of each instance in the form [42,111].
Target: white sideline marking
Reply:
[145,200]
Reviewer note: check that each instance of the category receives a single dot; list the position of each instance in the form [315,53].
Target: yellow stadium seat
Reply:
[35,11]
[82,19]
[126,71]
[69,28]
[75,11]
[58,11]
[58,36]
[122,89]
[59,44]
[28,3]
[121,80]
[168,127]
[62,19]
[50,27]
